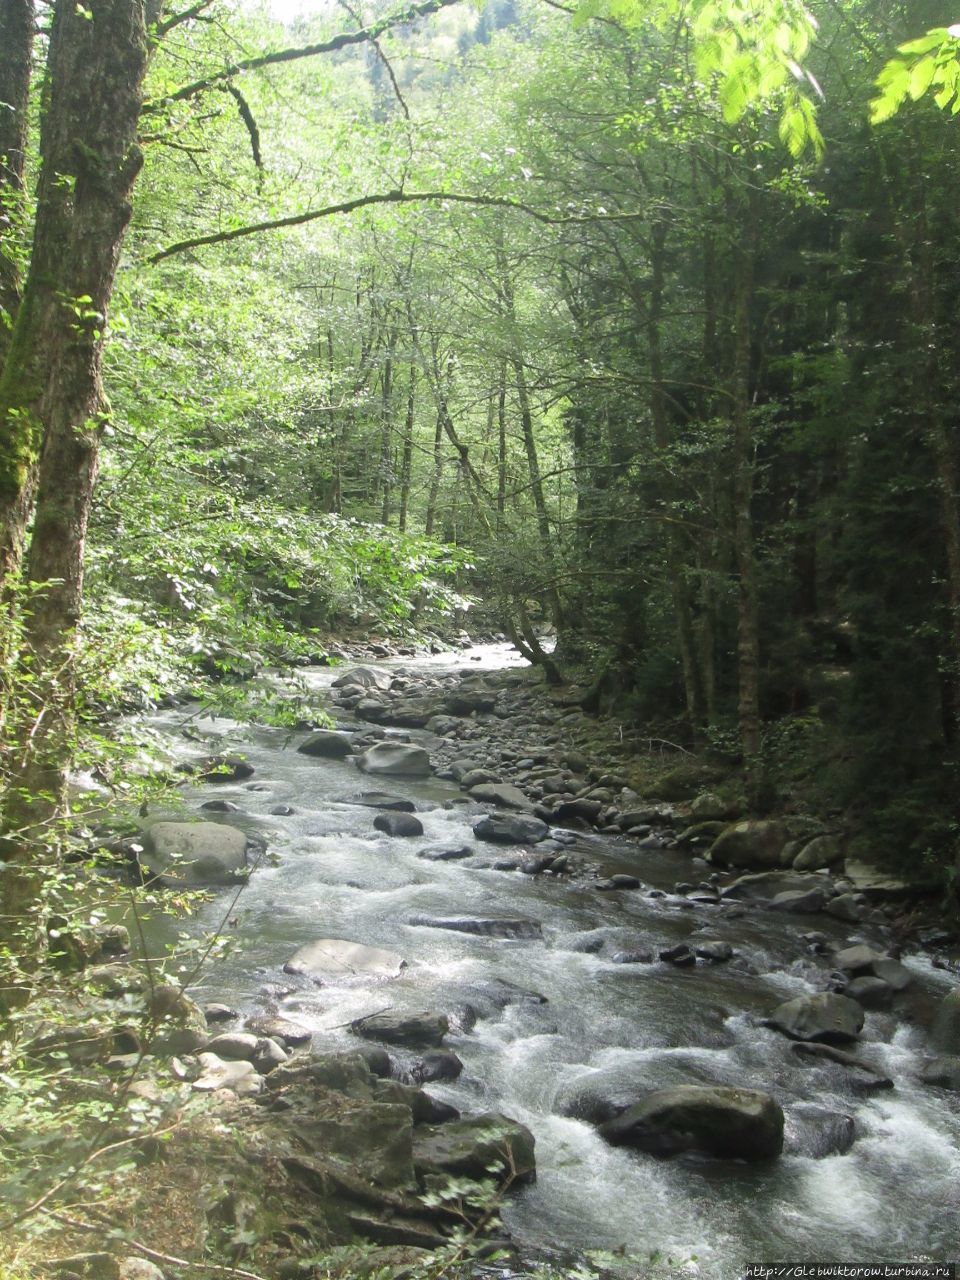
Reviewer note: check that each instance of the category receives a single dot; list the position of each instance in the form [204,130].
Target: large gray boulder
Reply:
[501,794]
[364,678]
[194,853]
[750,843]
[508,828]
[818,854]
[825,1017]
[469,1148]
[336,960]
[396,759]
[735,1124]
[943,1072]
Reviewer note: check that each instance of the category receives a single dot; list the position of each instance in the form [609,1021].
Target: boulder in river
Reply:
[508,828]
[444,852]
[398,824]
[824,1017]
[818,1131]
[469,1148]
[335,960]
[383,800]
[396,759]
[751,843]
[946,1026]
[737,1124]
[194,853]
[326,743]
[416,1030]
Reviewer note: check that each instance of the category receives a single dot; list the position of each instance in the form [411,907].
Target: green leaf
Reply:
[921,77]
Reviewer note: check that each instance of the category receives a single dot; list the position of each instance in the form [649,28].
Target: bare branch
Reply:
[176,19]
[387,197]
[340,41]
[246,115]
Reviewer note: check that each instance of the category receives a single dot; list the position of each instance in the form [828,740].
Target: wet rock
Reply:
[268,1055]
[398,824]
[799,901]
[327,744]
[858,959]
[751,843]
[241,1078]
[709,807]
[505,828]
[715,952]
[815,1131]
[469,1148]
[501,794]
[484,926]
[944,1072]
[364,678]
[871,993]
[844,907]
[440,1065]
[584,808]
[680,955]
[284,1030]
[282,811]
[194,853]
[638,955]
[739,1124]
[218,1013]
[220,806]
[825,1017]
[336,960]
[412,1030]
[395,759]
[444,852]
[383,800]
[532,864]
[618,881]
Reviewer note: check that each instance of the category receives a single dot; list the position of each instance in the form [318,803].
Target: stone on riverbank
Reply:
[395,759]
[468,1149]
[737,1124]
[194,853]
[412,1030]
[364,678]
[750,843]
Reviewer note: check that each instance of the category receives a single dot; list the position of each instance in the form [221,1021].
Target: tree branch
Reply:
[341,41]
[176,19]
[246,115]
[386,197]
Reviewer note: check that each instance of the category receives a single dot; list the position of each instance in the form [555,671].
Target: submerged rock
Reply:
[485,926]
[737,1124]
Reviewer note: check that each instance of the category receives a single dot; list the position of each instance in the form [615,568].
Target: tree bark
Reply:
[17,23]
[89,163]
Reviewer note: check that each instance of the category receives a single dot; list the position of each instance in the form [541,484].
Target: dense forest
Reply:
[628,331]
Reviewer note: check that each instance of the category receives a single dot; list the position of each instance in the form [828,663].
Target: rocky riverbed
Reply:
[711,1028]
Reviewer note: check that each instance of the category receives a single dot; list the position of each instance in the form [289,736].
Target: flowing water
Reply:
[895,1195]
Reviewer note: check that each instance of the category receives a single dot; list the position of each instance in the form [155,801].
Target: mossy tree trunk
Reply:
[51,382]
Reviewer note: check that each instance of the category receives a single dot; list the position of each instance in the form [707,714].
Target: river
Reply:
[892,1196]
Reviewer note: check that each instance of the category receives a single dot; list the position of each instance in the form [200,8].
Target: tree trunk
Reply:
[748,639]
[386,429]
[18,457]
[406,460]
[501,445]
[17,21]
[90,162]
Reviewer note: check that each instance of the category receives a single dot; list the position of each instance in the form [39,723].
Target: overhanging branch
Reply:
[387,197]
